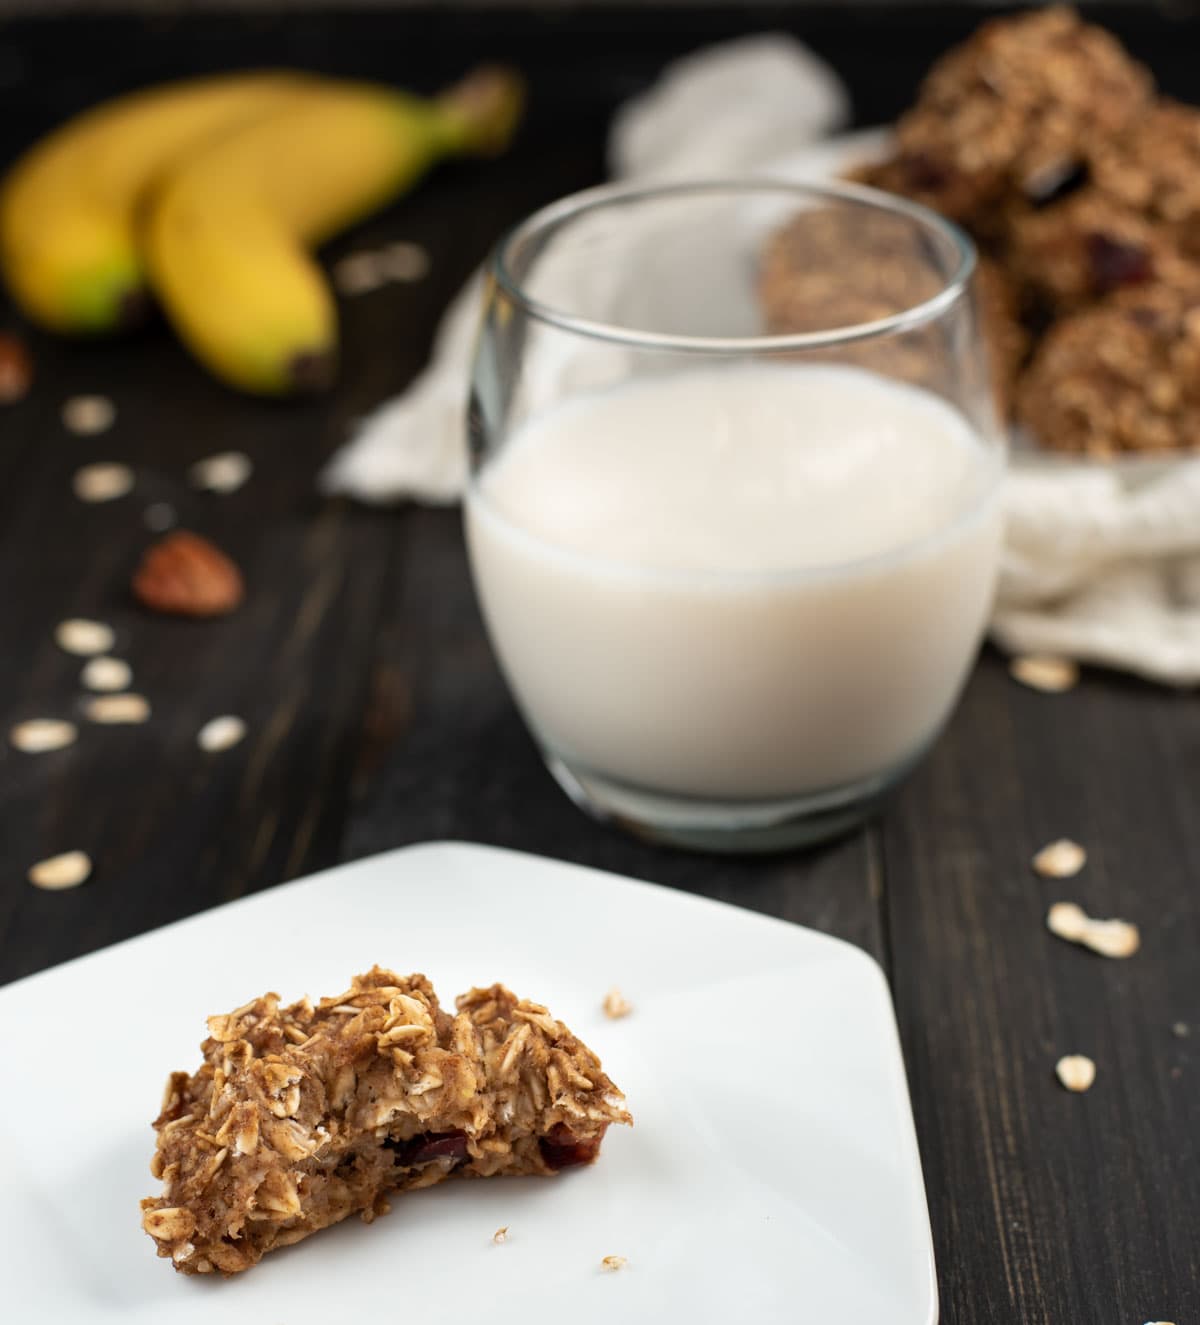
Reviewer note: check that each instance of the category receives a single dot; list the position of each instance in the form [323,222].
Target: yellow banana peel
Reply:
[68,207]
[228,232]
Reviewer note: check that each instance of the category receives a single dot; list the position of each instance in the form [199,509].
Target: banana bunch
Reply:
[212,193]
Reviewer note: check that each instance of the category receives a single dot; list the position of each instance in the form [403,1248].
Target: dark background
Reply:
[377,716]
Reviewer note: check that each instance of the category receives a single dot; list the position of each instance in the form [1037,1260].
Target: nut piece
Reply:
[86,416]
[614,1262]
[16,370]
[113,709]
[500,1235]
[1110,938]
[170,1224]
[40,734]
[103,481]
[58,872]
[615,1005]
[84,638]
[185,575]
[105,673]
[224,472]
[1043,672]
[1060,860]
[221,733]
[1076,1072]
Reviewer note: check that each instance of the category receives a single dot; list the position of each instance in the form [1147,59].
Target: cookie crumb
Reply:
[1060,860]
[614,1262]
[1076,1072]
[1050,675]
[616,1005]
[500,1235]
[60,872]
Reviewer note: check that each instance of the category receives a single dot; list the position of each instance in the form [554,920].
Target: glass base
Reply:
[725,826]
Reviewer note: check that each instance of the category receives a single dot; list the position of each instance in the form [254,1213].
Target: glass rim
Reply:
[578,204]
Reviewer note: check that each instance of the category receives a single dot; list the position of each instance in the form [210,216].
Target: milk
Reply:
[740,583]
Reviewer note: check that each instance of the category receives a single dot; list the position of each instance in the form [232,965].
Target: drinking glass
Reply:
[733,514]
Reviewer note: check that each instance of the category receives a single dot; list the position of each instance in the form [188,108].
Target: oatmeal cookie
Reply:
[1010,115]
[1123,375]
[1154,169]
[839,266]
[302,1115]
[1088,246]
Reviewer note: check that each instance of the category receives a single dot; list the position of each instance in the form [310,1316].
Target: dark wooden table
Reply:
[377,716]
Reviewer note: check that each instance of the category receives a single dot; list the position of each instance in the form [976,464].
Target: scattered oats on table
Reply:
[41,734]
[1076,1072]
[113,709]
[224,472]
[403,261]
[221,733]
[87,416]
[1044,672]
[614,1262]
[1109,938]
[103,481]
[60,872]
[104,673]
[359,273]
[84,638]
[616,1005]
[1060,860]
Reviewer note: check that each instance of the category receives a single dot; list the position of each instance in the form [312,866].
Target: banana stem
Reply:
[480,113]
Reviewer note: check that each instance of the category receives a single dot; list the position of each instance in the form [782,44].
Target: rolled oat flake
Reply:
[59,872]
[41,734]
[83,638]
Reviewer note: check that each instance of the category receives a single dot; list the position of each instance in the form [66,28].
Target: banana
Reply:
[68,206]
[227,233]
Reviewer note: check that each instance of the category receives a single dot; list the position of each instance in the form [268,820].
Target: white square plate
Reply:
[772,1174]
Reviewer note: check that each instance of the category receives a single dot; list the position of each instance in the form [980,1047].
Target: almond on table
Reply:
[186,575]
[16,370]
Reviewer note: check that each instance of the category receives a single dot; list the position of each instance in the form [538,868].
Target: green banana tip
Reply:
[485,108]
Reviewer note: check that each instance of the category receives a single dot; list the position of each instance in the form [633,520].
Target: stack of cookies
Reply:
[1045,140]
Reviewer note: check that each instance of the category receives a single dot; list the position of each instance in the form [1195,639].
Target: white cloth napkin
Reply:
[1100,564]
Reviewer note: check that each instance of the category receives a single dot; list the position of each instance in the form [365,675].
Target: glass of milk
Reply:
[733,516]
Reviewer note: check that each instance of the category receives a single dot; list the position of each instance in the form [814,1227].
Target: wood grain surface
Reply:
[377,717]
